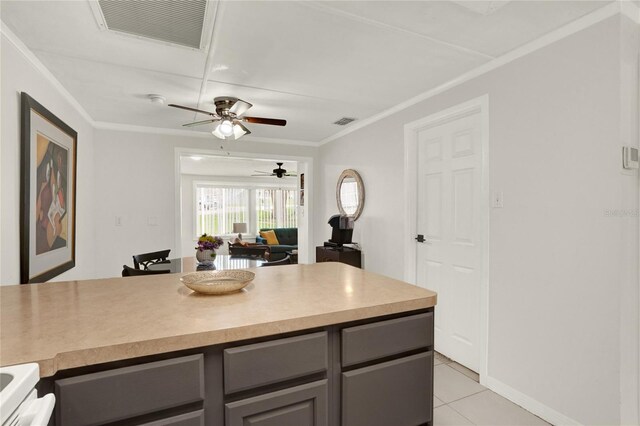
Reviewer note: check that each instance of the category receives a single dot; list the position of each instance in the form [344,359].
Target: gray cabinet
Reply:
[195,418]
[128,392]
[264,363]
[397,392]
[303,405]
[373,372]
[386,338]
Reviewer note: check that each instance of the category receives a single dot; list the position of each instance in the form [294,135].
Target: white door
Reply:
[449,261]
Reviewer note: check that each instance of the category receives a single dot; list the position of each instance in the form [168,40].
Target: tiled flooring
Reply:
[460,400]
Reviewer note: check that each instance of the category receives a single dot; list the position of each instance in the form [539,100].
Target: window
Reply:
[218,208]
[275,208]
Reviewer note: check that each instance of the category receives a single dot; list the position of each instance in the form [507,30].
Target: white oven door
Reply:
[33,411]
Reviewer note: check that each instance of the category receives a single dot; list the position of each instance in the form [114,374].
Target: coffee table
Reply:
[293,257]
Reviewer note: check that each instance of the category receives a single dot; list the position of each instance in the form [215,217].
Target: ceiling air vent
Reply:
[344,121]
[172,21]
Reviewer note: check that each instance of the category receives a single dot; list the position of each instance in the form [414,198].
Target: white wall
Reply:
[136,179]
[559,267]
[20,75]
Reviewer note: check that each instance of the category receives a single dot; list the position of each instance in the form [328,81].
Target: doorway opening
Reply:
[236,195]
[447,225]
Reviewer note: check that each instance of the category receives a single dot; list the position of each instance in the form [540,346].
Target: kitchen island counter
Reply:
[64,325]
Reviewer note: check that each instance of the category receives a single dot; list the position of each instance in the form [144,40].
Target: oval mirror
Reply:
[350,194]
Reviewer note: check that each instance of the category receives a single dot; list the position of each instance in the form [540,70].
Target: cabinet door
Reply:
[123,393]
[195,418]
[304,405]
[362,343]
[397,393]
[259,364]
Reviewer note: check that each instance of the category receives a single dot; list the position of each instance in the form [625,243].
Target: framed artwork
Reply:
[302,189]
[47,194]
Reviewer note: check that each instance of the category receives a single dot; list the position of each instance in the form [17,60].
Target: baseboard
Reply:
[536,407]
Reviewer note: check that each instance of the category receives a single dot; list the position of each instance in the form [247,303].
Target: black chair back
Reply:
[146,259]
[128,271]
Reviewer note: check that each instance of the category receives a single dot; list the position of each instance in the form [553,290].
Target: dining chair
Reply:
[285,261]
[128,271]
[146,259]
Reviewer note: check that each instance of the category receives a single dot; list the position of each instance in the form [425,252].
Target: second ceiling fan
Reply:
[279,172]
[229,112]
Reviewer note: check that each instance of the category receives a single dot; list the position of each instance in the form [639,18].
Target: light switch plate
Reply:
[630,160]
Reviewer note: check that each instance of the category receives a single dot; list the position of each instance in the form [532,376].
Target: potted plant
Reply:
[206,249]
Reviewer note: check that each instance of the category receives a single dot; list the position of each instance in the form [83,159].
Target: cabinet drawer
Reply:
[385,338]
[195,418]
[127,392]
[397,392]
[260,364]
[304,405]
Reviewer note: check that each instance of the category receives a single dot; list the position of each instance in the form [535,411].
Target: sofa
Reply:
[288,239]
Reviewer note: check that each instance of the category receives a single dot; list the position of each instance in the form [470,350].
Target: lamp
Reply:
[240,228]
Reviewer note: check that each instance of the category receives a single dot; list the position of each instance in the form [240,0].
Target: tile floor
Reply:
[460,400]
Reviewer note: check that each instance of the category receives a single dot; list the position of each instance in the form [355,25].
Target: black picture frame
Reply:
[48,182]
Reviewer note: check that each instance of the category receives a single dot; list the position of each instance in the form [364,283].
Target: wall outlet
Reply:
[152,220]
[497,201]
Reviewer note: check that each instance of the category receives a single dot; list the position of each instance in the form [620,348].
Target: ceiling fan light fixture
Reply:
[239,131]
[217,133]
[225,127]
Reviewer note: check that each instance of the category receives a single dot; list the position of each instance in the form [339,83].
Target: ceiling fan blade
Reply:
[240,107]
[198,123]
[269,175]
[260,120]
[213,114]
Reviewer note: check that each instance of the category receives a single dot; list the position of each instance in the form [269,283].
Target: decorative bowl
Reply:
[217,282]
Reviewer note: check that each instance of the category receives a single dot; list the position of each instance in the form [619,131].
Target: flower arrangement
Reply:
[208,242]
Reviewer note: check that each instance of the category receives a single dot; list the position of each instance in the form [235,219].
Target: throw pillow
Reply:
[270,236]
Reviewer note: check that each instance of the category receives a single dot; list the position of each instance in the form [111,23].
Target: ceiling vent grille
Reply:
[344,121]
[173,21]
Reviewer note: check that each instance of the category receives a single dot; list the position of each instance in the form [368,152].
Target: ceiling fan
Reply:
[279,172]
[229,112]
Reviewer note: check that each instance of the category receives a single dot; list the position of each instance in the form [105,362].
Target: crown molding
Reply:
[44,71]
[630,10]
[103,125]
[571,28]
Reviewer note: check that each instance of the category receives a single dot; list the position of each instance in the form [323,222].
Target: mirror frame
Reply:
[360,185]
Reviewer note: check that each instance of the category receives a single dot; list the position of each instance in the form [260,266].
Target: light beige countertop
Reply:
[70,324]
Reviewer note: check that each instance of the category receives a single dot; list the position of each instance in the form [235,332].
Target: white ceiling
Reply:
[309,62]
[233,167]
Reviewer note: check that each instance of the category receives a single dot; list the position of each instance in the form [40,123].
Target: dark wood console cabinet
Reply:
[346,255]
[374,372]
